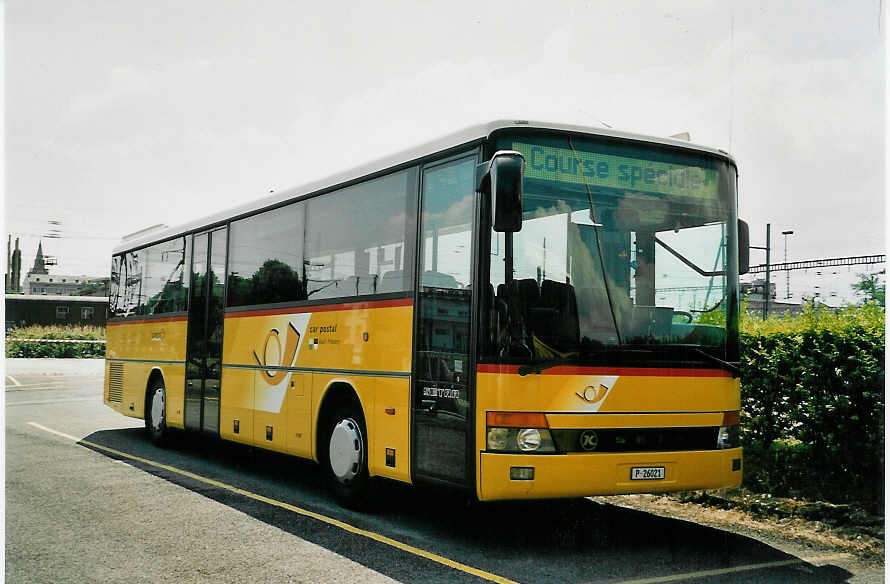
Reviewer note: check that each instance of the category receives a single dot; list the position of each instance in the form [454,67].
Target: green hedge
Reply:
[38,349]
[813,404]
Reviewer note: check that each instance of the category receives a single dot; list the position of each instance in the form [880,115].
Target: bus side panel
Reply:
[385,431]
[373,336]
[236,403]
[147,340]
[366,345]
[133,349]
[392,423]
[125,390]
[174,386]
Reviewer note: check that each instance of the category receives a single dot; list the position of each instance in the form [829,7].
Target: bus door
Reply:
[203,366]
[443,382]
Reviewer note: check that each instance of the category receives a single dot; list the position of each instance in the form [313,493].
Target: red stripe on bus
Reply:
[145,320]
[628,371]
[360,305]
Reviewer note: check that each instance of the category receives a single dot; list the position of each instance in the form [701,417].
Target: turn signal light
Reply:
[730,418]
[516,420]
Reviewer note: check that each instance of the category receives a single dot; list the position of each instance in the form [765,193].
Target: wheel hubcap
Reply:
[346,450]
[157,409]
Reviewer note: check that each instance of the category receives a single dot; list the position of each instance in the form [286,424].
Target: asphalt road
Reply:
[90,499]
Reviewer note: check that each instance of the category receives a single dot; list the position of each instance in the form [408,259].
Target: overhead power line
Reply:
[821,263]
[66,236]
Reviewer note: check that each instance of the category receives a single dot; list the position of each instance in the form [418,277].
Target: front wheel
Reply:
[156,414]
[347,457]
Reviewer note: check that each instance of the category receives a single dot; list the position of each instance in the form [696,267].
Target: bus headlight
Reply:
[529,439]
[518,432]
[520,440]
[728,434]
[728,437]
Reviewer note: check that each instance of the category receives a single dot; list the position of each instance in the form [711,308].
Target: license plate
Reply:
[647,473]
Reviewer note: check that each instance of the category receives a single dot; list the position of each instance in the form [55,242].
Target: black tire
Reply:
[344,453]
[157,428]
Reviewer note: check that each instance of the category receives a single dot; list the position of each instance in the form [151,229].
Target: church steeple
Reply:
[39,263]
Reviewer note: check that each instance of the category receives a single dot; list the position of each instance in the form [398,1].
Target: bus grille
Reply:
[636,439]
[116,382]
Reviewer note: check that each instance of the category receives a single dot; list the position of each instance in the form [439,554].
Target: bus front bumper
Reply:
[582,474]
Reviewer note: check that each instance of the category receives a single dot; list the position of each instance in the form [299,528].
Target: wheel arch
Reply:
[336,394]
[154,375]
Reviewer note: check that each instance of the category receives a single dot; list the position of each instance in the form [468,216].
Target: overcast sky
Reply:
[124,114]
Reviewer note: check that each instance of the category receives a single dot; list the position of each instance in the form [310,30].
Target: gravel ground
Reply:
[793,534]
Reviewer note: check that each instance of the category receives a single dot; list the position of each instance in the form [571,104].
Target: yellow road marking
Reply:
[300,511]
[38,402]
[56,432]
[423,553]
[736,569]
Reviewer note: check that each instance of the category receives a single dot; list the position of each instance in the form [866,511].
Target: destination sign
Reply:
[617,172]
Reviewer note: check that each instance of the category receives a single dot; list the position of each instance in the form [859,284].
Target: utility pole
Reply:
[767,286]
[787,272]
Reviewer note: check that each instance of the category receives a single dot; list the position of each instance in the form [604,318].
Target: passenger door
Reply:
[203,367]
[443,380]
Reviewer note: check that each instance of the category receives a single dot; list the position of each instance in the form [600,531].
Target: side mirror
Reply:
[502,178]
[744,248]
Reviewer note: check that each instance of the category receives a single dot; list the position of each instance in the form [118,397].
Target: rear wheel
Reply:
[346,456]
[156,414]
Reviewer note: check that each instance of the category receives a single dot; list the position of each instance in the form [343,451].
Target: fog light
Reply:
[529,439]
[522,473]
[497,438]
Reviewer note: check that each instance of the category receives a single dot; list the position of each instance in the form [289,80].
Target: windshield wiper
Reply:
[727,365]
[539,366]
[687,261]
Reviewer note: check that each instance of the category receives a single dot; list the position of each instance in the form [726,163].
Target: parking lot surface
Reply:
[90,499]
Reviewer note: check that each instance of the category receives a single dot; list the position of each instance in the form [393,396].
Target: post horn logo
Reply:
[272,351]
[593,394]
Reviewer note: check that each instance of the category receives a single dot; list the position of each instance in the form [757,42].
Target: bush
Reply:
[38,349]
[73,332]
[813,404]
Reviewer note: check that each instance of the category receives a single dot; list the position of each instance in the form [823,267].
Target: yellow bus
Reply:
[518,310]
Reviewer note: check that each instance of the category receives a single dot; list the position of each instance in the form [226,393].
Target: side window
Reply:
[87,313]
[114,287]
[447,224]
[164,278]
[266,257]
[61,312]
[359,240]
[132,282]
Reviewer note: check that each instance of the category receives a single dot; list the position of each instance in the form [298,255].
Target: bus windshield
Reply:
[623,250]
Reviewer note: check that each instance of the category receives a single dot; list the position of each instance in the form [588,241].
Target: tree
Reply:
[92,288]
[871,287]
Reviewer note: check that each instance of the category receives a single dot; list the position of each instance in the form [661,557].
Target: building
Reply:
[754,290]
[39,281]
[23,310]
[63,285]
[754,306]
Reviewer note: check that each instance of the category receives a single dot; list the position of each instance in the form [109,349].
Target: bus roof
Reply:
[465,136]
